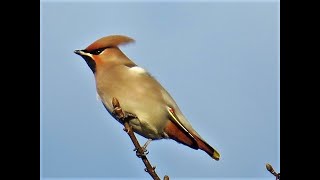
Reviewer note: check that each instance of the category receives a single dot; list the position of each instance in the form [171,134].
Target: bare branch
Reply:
[125,118]
[272,171]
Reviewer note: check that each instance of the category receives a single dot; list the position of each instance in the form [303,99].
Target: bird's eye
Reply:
[96,52]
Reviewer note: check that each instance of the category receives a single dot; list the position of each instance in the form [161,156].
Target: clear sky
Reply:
[219,60]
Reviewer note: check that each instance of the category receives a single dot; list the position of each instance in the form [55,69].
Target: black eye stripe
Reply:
[97,51]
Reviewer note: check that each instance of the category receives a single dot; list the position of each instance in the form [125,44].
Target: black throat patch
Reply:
[90,63]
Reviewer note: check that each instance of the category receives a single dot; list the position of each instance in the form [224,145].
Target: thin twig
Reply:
[139,150]
[272,171]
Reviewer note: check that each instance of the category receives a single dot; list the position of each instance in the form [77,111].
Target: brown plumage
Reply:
[158,115]
[109,41]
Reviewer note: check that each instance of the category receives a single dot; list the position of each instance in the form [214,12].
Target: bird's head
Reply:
[105,52]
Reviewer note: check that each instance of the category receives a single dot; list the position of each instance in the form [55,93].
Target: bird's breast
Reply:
[137,93]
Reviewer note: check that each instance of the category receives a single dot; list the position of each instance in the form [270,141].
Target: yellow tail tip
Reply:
[216,155]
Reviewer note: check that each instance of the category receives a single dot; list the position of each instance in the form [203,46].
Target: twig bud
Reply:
[115,103]
[269,168]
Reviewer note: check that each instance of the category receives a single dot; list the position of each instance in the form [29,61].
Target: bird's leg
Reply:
[144,149]
[146,144]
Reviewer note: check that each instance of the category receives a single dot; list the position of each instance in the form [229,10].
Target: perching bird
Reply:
[157,114]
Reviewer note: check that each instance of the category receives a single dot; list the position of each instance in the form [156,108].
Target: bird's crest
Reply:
[109,41]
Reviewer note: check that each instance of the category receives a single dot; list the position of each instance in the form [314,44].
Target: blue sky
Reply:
[224,54]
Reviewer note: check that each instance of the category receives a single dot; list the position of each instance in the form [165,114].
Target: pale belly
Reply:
[140,100]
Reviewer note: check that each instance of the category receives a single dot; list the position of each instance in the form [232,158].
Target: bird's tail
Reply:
[207,148]
[189,138]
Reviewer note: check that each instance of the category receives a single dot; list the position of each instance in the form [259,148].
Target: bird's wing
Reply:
[175,119]
[179,132]
[189,136]
[177,112]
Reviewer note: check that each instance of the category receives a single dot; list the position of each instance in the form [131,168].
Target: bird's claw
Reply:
[143,152]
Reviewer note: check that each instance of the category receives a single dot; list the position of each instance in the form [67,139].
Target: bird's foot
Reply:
[143,151]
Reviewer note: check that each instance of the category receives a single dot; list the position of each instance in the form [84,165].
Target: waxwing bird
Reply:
[157,114]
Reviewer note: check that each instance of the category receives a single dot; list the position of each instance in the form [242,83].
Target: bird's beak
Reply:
[79,52]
